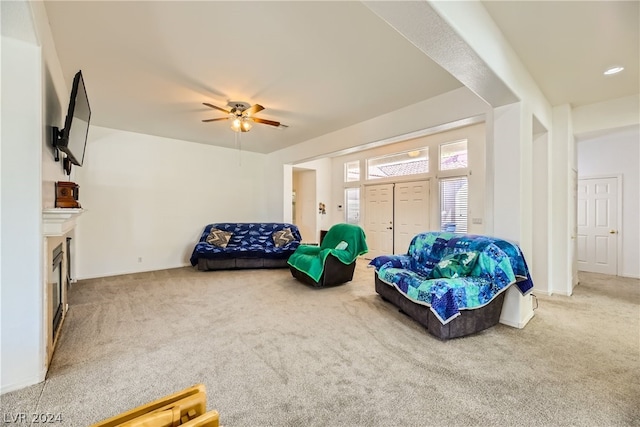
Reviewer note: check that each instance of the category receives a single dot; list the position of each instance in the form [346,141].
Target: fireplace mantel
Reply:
[59,221]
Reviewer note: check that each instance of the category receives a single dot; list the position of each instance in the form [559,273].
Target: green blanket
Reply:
[310,259]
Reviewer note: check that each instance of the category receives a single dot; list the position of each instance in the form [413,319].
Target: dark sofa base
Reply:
[469,321]
[239,263]
[335,273]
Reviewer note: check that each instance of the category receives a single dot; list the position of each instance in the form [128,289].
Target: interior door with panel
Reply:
[411,213]
[379,219]
[597,219]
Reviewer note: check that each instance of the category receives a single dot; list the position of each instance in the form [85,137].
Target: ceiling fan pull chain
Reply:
[239,148]
[238,138]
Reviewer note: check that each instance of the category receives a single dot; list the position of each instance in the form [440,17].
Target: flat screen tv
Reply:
[72,140]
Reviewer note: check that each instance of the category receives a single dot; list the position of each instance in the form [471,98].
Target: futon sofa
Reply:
[230,245]
[453,284]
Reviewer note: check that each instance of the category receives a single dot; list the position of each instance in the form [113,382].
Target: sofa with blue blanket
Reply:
[453,284]
[230,245]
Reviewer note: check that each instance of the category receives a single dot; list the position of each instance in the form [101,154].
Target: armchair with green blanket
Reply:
[334,261]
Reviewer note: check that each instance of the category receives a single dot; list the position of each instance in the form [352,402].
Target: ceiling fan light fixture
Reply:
[242,117]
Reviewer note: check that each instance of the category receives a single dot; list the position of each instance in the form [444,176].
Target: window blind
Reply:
[454,204]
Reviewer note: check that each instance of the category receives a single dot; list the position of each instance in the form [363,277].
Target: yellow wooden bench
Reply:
[186,408]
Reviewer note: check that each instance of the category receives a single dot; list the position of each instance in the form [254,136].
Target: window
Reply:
[401,164]
[453,155]
[352,197]
[352,171]
[453,204]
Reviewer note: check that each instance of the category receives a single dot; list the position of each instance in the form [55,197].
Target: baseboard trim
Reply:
[6,388]
[100,276]
[564,294]
[519,325]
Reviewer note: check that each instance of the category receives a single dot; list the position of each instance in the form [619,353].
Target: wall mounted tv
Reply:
[72,140]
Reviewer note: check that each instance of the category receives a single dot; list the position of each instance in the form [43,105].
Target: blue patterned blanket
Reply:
[450,272]
[247,240]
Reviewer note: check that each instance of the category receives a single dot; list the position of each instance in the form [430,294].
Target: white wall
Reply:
[507,179]
[322,170]
[324,193]
[54,115]
[609,115]
[149,197]
[55,103]
[21,280]
[450,107]
[619,153]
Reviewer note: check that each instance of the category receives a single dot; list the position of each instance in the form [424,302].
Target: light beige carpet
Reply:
[273,352]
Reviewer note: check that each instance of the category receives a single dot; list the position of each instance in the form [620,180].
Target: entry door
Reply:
[379,219]
[597,225]
[411,213]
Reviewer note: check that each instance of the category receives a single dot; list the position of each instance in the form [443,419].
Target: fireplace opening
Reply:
[68,262]
[56,288]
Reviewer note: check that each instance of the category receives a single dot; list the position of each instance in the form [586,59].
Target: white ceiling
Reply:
[567,45]
[315,66]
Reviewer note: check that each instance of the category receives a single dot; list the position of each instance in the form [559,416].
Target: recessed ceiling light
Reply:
[613,70]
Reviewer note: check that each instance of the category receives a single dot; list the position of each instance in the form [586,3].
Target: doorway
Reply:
[411,213]
[304,209]
[597,221]
[379,219]
[394,214]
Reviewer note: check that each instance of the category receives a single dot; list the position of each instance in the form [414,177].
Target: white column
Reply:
[560,161]
[513,195]
[287,191]
[539,263]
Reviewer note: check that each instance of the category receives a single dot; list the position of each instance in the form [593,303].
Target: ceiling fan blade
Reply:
[252,110]
[217,108]
[264,121]
[215,120]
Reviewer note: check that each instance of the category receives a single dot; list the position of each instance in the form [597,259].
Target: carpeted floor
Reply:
[273,352]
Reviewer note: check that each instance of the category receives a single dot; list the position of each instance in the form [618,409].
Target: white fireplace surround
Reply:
[57,224]
[59,221]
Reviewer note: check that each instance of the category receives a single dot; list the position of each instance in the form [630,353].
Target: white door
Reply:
[379,219]
[411,213]
[597,225]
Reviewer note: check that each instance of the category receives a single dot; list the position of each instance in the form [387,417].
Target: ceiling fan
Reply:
[242,115]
